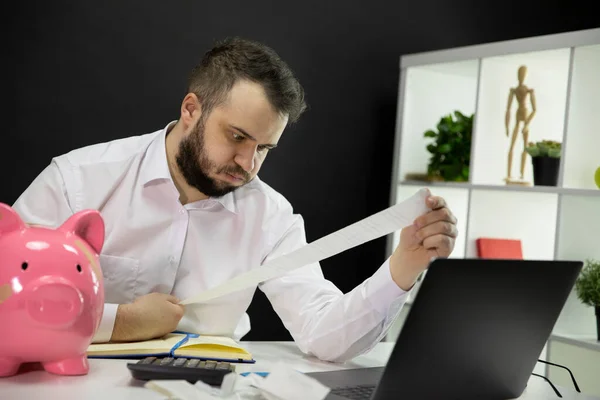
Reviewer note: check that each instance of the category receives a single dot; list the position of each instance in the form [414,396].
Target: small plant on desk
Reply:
[588,288]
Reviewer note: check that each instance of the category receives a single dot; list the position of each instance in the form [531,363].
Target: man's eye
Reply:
[262,148]
[237,137]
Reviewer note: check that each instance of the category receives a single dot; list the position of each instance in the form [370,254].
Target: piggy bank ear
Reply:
[9,220]
[87,224]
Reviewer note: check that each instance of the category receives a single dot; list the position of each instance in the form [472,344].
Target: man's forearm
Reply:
[403,276]
[125,327]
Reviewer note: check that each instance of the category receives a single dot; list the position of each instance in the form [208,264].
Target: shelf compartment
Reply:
[582,141]
[547,74]
[530,217]
[431,92]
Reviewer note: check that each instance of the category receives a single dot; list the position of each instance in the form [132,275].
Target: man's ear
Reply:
[87,224]
[191,110]
[10,221]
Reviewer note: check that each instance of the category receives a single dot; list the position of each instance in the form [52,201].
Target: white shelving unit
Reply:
[561,222]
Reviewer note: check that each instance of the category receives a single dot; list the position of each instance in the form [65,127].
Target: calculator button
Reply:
[192,363]
[202,364]
[179,362]
[147,360]
[166,361]
[210,365]
[222,366]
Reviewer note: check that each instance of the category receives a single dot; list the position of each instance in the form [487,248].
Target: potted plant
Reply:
[545,157]
[587,287]
[450,149]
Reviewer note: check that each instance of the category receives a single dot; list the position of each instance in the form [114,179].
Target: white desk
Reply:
[110,379]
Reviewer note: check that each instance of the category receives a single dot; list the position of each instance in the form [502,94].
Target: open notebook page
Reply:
[156,345]
[213,347]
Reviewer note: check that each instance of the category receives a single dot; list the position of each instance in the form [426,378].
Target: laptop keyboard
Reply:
[361,392]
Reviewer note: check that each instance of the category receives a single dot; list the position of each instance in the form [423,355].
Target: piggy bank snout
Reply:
[54,302]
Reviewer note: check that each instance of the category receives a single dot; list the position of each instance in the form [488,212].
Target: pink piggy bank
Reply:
[51,292]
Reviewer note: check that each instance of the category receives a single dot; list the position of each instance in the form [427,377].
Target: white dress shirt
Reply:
[153,243]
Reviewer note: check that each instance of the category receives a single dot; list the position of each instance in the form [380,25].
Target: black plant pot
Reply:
[598,323]
[545,170]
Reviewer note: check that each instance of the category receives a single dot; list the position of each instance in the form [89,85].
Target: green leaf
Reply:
[554,153]
[432,148]
[533,151]
[430,134]
[445,148]
[460,117]
[458,127]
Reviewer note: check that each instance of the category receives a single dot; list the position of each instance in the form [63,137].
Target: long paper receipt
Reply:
[382,223]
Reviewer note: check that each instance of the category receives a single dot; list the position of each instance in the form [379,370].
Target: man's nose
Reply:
[245,159]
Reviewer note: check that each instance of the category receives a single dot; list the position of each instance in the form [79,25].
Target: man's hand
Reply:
[433,234]
[148,317]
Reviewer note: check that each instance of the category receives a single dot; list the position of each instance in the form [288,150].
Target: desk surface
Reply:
[577,340]
[110,379]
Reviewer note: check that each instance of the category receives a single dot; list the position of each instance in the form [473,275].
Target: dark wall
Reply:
[82,72]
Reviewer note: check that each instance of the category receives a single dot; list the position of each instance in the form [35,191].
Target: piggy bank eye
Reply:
[78,268]
[24,266]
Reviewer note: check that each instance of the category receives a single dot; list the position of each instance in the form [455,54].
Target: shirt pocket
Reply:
[120,278]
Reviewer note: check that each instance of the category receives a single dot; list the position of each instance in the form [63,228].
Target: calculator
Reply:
[189,369]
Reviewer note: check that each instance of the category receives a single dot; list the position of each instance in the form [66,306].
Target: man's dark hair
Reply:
[236,58]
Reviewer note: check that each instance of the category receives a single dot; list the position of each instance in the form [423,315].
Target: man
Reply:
[185,211]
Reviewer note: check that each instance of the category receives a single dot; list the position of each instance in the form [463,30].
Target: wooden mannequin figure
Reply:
[523,118]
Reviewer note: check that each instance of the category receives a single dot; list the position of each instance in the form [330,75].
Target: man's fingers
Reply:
[441,244]
[442,214]
[172,299]
[178,308]
[436,202]
[444,228]
[433,253]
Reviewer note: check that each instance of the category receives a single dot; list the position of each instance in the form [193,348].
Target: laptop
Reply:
[474,331]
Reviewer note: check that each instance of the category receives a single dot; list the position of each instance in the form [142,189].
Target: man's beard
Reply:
[194,164]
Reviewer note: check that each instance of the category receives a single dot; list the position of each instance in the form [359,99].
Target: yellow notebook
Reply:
[186,345]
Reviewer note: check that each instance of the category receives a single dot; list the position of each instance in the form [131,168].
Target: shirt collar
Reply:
[228,201]
[156,167]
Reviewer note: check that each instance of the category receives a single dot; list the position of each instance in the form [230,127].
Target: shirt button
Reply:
[182,211]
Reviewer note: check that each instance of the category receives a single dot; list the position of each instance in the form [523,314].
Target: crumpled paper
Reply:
[283,383]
